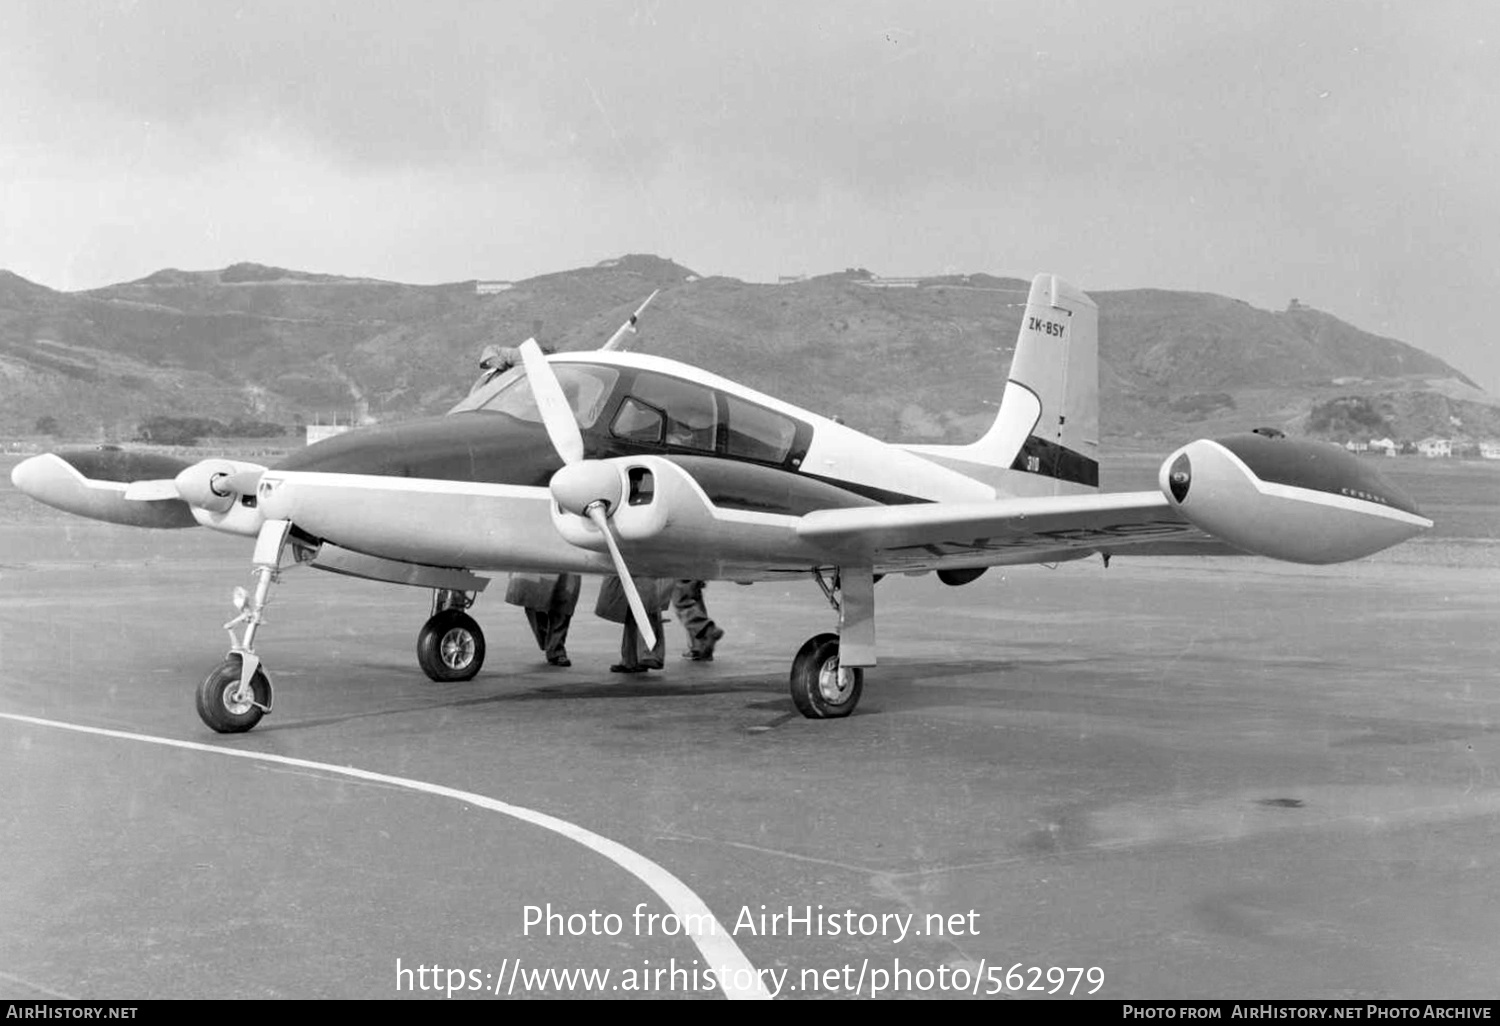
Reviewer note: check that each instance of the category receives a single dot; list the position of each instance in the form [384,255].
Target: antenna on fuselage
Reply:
[617,340]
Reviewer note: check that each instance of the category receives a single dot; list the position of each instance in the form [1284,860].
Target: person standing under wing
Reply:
[703,634]
[549,601]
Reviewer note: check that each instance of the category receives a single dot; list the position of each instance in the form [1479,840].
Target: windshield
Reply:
[586,387]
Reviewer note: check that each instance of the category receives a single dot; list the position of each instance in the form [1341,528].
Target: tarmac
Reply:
[1177,778]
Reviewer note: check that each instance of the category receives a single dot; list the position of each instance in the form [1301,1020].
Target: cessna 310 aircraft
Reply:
[611,462]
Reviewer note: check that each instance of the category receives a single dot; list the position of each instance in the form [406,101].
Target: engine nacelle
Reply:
[202,484]
[1291,499]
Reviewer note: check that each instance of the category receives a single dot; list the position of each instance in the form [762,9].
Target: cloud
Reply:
[1262,150]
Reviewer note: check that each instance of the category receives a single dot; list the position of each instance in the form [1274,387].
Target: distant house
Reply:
[1433,448]
[489,288]
[1384,445]
[1490,450]
[318,432]
[1354,446]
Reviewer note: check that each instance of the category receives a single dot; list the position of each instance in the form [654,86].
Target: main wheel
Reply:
[821,688]
[451,646]
[221,710]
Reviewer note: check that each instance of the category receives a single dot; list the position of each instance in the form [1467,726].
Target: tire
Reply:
[450,647]
[821,689]
[219,711]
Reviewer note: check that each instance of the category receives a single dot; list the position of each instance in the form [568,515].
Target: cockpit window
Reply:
[692,418]
[586,387]
[638,422]
[757,433]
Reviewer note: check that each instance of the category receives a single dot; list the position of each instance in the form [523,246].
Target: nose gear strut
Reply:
[234,697]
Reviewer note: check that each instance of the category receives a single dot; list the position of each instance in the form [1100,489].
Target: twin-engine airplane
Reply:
[611,462]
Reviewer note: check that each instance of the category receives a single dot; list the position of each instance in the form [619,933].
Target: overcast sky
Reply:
[1347,154]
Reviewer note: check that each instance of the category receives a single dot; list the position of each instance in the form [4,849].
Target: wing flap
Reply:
[1009,530]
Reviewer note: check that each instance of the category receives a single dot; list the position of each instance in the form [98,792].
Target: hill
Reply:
[911,360]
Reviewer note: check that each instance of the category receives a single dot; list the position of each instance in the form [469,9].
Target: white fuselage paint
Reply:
[837,452]
[495,527]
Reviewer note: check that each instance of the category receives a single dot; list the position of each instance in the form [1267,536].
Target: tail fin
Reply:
[1047,428]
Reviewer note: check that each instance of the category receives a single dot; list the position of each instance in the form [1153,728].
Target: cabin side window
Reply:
[756,433]
[638,422]
[691,414]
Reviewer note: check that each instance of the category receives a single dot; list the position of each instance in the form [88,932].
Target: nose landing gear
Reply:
[233,698]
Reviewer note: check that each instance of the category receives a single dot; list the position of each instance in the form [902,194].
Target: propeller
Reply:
[213,485]
[586,488]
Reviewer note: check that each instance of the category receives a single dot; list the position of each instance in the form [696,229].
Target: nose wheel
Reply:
[822,688]
[227,704]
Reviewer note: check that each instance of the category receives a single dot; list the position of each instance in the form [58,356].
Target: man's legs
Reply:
[556,639]
[703,634]
[630,648]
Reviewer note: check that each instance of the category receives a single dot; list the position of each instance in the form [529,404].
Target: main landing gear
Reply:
[828,673]
[451,645]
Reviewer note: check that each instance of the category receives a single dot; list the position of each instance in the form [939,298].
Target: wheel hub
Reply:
[457,648]
[238,700]
[835,682]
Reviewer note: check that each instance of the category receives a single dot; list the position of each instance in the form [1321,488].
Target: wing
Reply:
[1007,531]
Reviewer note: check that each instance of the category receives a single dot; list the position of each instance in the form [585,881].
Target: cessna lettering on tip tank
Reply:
[612,462]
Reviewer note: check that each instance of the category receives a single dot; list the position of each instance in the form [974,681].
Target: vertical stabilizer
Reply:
[1045,438]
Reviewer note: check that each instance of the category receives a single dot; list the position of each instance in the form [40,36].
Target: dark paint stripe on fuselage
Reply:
[1039,456]
[495,448]
[1316,466]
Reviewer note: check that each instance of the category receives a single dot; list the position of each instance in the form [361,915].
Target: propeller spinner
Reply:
[586,488]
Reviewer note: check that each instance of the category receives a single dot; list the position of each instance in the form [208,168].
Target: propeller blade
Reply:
[628,328]
[557,412]
[150,491]
[633,597]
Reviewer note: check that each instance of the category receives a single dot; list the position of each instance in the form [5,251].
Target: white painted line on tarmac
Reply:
[738,979]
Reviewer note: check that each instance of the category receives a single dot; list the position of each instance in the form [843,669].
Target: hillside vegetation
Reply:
[256,343]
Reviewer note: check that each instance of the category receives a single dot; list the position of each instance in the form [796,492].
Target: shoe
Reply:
[698,657]
[561,660]
[705,654]
[622,668]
